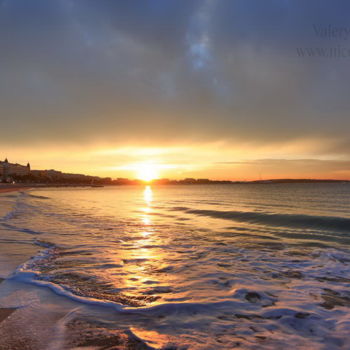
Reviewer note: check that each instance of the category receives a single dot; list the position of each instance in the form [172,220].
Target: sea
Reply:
[239,266]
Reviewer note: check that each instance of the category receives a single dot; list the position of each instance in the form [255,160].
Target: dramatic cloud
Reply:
[169,72]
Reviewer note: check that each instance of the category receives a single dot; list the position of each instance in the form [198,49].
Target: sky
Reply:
[221,89]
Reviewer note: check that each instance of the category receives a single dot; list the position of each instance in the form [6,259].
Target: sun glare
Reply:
[147,172]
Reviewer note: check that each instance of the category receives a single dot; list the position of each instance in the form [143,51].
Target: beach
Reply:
[175,267]
[174,175]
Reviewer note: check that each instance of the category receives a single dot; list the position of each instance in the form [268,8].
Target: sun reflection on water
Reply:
[146,219]
[139,261]
[148,195]
[141,255]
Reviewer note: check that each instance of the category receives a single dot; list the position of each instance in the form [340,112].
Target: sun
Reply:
[147,172]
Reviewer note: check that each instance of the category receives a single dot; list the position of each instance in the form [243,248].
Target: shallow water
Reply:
[197,267]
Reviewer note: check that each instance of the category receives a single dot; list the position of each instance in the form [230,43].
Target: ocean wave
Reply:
[327,223]
[174,308]
[21,229]
[18,206]
[257,294]
[36,196]
[10,195]
[11,214]
[260,278]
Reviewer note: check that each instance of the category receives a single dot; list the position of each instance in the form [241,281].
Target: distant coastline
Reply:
[161,182]
[17,175]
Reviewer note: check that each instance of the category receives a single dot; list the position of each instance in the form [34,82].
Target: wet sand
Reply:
[56,323]
[5,312]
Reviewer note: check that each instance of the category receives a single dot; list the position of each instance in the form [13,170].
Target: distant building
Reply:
[51,174]
[8,169]
[16,172]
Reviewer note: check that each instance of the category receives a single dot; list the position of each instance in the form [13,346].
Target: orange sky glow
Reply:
[217,160]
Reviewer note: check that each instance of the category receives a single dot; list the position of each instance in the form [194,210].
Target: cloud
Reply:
[171,71]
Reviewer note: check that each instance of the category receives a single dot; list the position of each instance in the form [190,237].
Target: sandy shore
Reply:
[5,312]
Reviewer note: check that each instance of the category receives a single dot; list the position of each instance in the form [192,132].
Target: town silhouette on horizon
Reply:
[15,173]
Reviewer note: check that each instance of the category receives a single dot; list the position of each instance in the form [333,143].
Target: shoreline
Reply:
[18,187]
[10,188]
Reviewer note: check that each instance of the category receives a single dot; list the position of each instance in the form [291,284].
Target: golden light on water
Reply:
[152,338]
[148,195]
[148,198]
